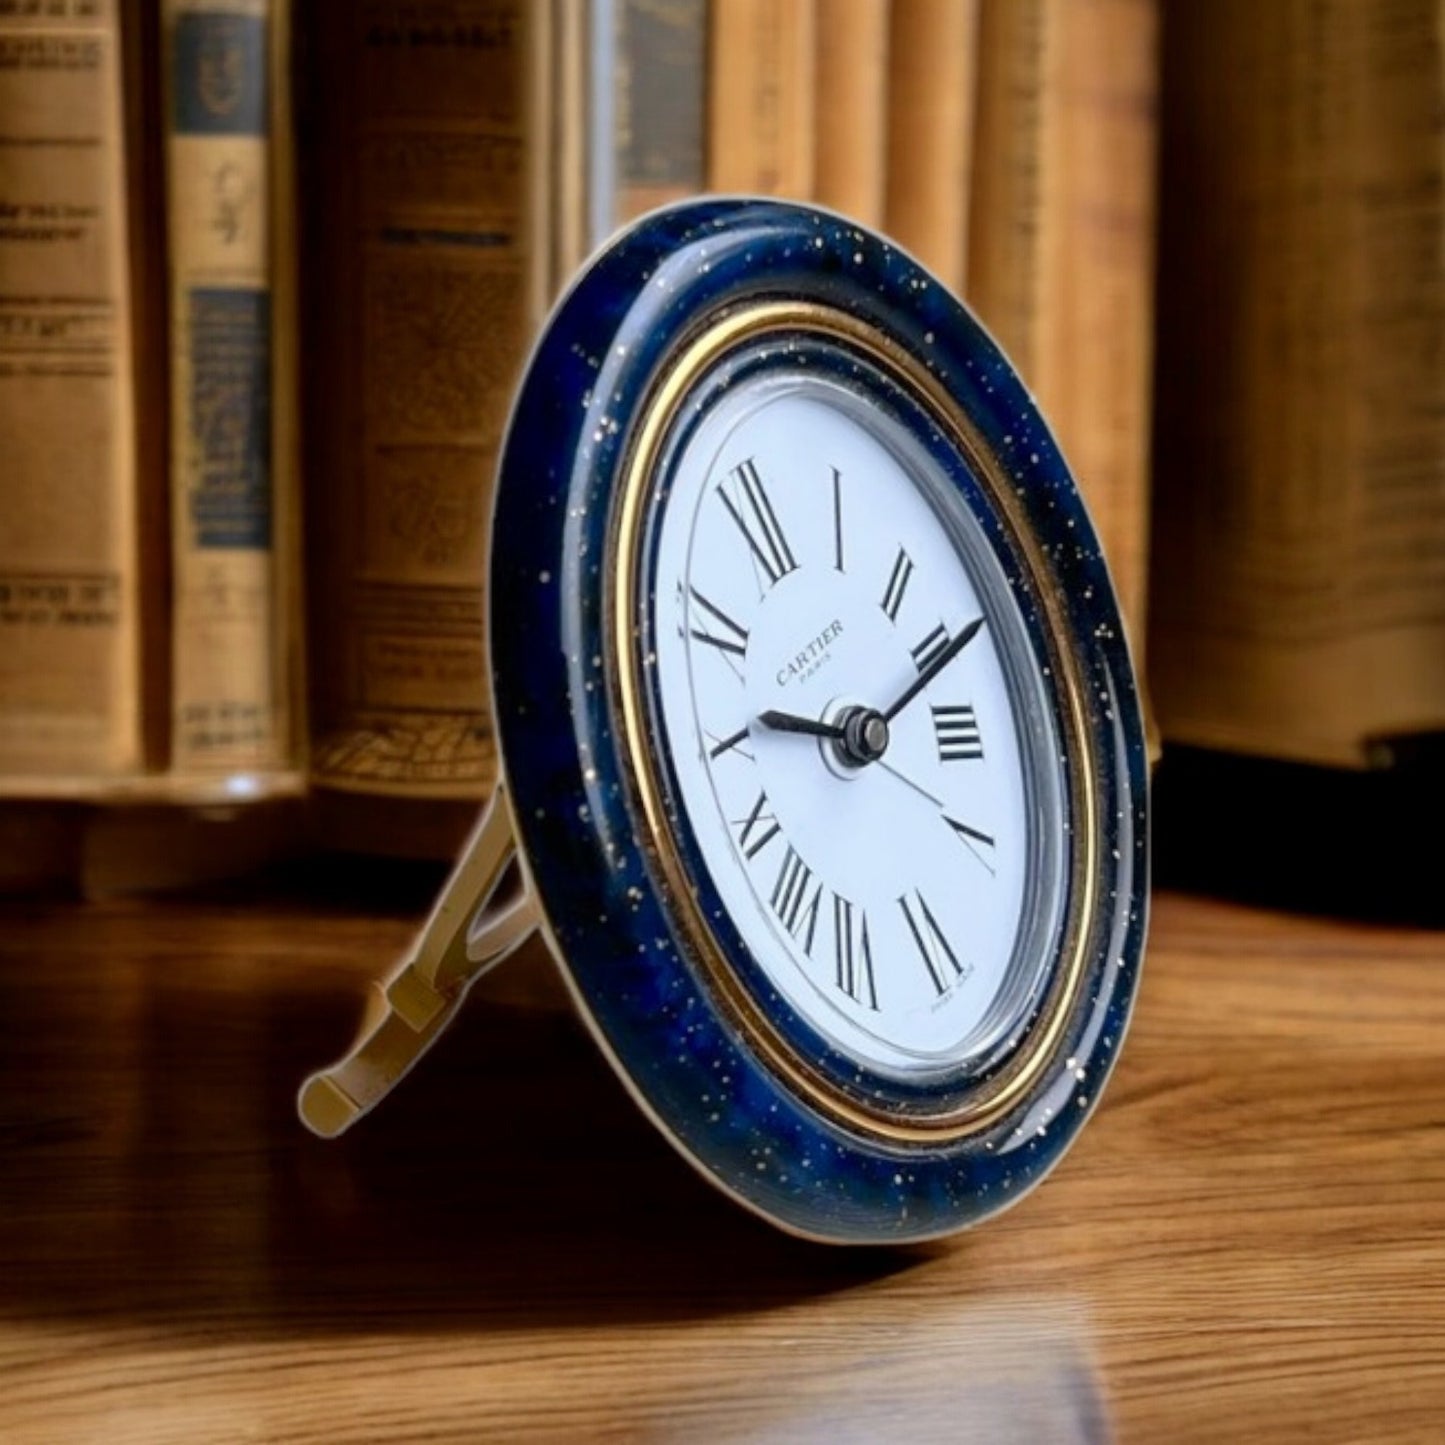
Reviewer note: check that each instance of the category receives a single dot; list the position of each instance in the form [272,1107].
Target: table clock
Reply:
[823,774]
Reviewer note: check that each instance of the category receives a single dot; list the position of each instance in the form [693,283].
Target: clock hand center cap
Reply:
[865,737]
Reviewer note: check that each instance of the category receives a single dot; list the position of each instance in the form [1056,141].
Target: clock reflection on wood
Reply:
[825,777]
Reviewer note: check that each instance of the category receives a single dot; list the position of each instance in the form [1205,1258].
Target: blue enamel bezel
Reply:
[614,924]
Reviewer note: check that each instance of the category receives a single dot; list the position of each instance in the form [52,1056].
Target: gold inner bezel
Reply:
[1011,1083]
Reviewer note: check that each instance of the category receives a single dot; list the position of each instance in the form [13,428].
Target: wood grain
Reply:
[1247,1242]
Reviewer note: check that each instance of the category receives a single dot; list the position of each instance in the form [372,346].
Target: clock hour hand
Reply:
[787,722]
[933,669]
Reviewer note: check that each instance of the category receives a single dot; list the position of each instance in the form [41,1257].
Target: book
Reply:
[69,552]
[570,88]
[760,97]
[288,591]
[851,107]
[425,270]
[932,54]
[229,710]
[660,85]
[1061,242]
[1298,609]
[449,188]
[143,106]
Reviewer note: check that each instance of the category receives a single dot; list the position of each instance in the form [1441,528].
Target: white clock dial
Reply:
[900,884]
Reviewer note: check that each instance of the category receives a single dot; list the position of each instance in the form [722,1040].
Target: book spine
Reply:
[569,87]
[661,87]
[423,282]
[1061,265]
[1099,378]
[760,108]
[226,692]
[851,96]
[932,55]
[1299,605]
[288,633]
[1010,213]
[69,671]
[143,87]
[605,79]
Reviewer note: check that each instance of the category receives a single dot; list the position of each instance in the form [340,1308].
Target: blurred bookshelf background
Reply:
[268,269]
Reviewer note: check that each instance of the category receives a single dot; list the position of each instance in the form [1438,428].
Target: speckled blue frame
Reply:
[589,379]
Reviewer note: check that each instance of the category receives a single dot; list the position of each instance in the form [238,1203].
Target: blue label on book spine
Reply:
[218,64]
[230,345]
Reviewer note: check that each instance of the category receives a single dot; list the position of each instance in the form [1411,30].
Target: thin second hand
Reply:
[908,782]
[924,793]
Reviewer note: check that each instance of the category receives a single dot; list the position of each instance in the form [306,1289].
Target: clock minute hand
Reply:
[786,722]
[933,669]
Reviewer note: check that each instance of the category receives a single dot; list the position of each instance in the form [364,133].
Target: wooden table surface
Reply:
[1247,1243]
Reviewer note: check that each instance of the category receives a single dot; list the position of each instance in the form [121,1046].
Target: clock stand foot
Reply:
[486,911]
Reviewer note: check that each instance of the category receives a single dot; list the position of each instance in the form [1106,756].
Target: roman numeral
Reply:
[964,831]
[719,746]
[956,732]
[853,952]
[972,839]
[796,911]
[944,969]
[837,519]
[758,829]
[928,651]
[897,586]
[757,521]
[713,626]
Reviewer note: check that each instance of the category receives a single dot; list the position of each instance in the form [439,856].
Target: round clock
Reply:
[824,772]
